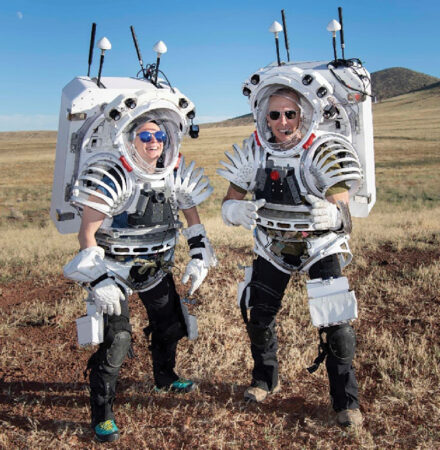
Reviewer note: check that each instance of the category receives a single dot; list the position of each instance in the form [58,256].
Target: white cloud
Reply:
[22,122]
[20,15]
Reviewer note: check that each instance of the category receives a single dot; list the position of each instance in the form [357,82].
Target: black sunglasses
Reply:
[275,115]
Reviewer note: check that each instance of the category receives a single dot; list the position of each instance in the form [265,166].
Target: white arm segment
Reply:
[202,256]
[87,266]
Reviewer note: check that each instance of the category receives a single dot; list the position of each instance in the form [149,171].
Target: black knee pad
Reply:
[341,343]
[118,349]
[117,340]
[260,335]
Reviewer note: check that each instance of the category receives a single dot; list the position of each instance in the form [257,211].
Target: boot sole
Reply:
[251,398]
[109,438]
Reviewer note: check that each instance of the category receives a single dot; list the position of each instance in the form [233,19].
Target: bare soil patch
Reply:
[44,399]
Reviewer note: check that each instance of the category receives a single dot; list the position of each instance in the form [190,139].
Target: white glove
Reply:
[325,215]
[242,212]
[197,271]
[108,296]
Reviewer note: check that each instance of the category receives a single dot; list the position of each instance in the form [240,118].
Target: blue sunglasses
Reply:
[146,136]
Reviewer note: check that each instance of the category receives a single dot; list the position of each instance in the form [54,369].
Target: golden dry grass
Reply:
[395,273]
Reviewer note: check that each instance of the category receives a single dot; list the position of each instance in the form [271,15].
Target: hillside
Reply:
[395,81]
[386,83]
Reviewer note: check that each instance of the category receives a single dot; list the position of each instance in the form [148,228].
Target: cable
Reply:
[330,67]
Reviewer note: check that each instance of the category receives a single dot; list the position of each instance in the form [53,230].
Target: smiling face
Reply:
[282,127]
[148,151]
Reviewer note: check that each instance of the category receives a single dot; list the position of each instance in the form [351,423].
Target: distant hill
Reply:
[246,119]
[395,81]
[386,83]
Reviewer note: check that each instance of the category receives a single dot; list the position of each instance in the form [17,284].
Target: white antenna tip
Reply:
[275,27]
[333,26]
[160,47]
[104,44]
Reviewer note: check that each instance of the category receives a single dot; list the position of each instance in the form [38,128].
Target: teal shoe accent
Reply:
[180,386]
[107,431]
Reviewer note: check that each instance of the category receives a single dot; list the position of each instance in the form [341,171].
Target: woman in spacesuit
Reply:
[148,273]
[282,122]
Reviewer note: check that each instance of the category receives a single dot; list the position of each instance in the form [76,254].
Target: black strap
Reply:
[103,277]
[196,242]
[322,353]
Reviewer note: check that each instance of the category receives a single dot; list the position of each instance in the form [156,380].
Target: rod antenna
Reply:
[342,32]
[92,44]
[133,34]
[104,45]
[286,39]
[276,28]
[160,48]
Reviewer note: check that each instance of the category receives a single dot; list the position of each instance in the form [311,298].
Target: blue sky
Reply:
[213,46]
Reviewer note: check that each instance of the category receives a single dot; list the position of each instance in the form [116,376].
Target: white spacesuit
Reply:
[120,181]
[308,165]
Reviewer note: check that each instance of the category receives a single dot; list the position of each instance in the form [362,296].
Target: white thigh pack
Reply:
[243,285]
[330,301]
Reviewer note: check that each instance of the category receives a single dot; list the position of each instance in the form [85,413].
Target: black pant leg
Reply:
[167,327]
[342,378]
[261,327]
[106,362]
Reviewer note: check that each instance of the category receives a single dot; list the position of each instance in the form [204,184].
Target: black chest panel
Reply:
[152,209]
[278,185]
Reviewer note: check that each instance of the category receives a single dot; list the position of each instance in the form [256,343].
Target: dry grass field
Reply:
[395,273]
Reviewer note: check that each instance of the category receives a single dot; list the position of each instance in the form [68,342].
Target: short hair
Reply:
[290,94]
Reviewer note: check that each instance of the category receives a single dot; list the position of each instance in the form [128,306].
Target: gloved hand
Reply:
[108,296]
[196,271]
[325,215]
[242,212]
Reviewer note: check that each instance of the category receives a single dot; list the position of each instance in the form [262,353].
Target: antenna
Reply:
[275,28]
[342,32]
[92,44]
[104,45]
[133,34]
[160,48]
[334,26]
[286,39]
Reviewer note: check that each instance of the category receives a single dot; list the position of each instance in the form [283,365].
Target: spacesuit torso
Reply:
[145,234]
[333,153]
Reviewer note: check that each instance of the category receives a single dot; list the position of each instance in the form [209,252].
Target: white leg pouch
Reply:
[190,320]
[90,328]
[330,302]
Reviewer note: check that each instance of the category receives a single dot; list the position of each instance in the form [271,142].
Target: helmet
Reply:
[261,111]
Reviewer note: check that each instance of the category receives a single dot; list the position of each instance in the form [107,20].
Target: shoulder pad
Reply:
[104,179]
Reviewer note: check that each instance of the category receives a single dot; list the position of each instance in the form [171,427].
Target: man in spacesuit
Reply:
[133,251]
[290,224]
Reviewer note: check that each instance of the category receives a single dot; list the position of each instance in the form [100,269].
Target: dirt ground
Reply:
[44,399]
